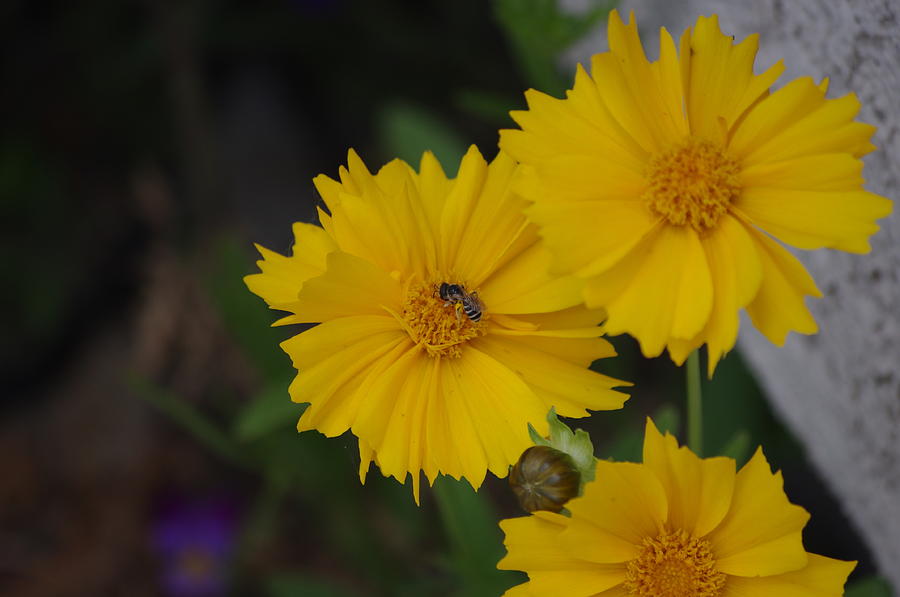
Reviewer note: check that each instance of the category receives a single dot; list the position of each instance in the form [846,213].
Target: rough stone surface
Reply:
[839,391]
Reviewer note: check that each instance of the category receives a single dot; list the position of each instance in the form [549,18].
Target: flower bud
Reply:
[544,478]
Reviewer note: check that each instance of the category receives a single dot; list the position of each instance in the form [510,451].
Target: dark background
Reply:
[146,433]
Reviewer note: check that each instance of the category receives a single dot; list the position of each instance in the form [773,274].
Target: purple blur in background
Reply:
[194,541]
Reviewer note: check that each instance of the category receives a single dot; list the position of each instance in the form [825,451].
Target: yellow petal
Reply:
[460,427]
[350,286]
[462,199]
[613,143]
[322,341]
[380,218]
[721,83]
[822,577]
[594,177]
[613,227]
[495,229]
[553,127]
[662,289]
[439,454]
[388,418]
[546,332]
[822,172]
[642,514]
[824,127]
[363,226]
[532,543]
[667,72]
[618,97]
[329,189]
[524,285]
[366,455]
[772,115]
[659,106]
[499,403]
[570,388]
[596,544]
[814,219]
[737,273]
[698,490]
[578,583]
[761,534]
[282,277]
[578,351]
[433,186]
[519,591]
[573,317]
[778,307]
[325,379]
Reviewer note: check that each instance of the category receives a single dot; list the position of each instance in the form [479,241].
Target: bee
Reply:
[456,294]
[544,478]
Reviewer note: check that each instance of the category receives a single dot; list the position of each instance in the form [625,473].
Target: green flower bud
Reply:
[544,478]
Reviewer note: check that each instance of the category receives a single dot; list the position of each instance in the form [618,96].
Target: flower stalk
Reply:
[694,404]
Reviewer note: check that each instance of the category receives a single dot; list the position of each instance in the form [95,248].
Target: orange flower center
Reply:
[441,326]
[674,565]
[692,184]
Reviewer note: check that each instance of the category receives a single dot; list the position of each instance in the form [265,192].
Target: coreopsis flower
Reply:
[662,184]
[441,333]
[675,526]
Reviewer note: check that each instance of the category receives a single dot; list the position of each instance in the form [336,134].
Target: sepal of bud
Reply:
[576,444]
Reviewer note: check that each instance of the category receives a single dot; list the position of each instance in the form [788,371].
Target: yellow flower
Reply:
[675,526]
[421,379]
[660,184]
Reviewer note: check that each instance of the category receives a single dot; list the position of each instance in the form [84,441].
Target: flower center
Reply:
[196,563]
[674,565]
[440,325]
[692,184]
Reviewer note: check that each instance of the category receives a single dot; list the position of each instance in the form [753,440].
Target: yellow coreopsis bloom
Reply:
[675,526]
[442,333]
[662,184]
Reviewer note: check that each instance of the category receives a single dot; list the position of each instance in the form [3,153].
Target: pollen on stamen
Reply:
[441,328]
[692,184]
[674,565]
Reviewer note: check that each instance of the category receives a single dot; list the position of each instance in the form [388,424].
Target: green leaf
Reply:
[738,447]
[297,585]
[538,31]
[492,108]
[872,586]
[407,131]
[667,419]
[475,539]
[272,409]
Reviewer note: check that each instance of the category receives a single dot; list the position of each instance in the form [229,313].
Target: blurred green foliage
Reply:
[294,585]
[475,540]
[872,586]
[539,31]
[407,131]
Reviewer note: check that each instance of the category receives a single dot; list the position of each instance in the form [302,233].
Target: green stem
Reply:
[694,404]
